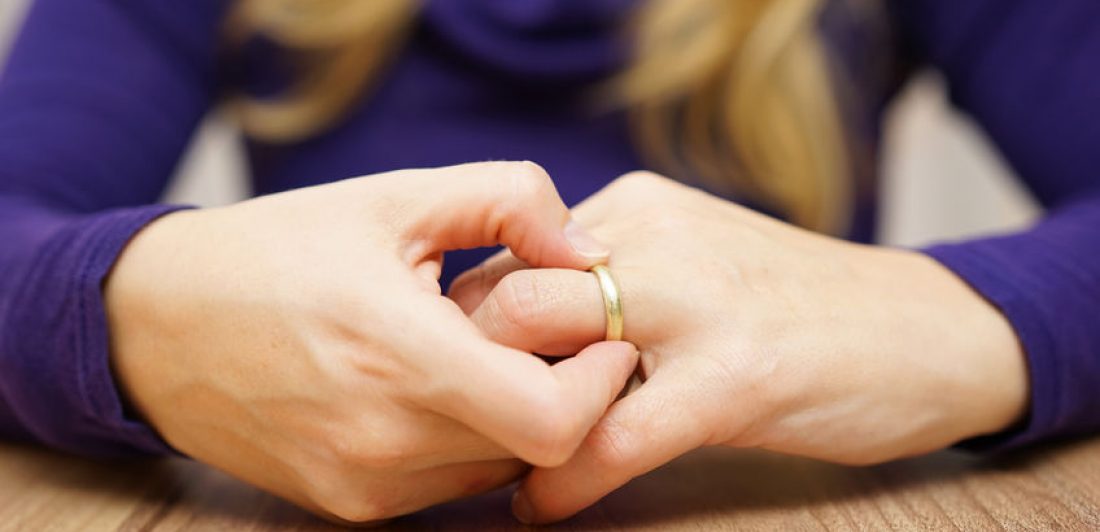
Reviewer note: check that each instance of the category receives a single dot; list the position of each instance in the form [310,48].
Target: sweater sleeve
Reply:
[1029,72]
[97,102]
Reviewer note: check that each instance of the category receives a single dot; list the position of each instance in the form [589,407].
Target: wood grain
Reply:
[1054,488]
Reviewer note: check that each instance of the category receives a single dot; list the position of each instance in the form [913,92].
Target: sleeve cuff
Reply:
[60,387]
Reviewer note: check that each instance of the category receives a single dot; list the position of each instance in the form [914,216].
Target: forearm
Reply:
[97,101]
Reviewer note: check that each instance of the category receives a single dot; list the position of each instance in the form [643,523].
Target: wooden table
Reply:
[1052,488]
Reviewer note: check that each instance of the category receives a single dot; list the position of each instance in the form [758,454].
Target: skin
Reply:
[300,341]
[753,333]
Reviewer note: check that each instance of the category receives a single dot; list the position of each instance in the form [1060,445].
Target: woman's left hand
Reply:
[753,333]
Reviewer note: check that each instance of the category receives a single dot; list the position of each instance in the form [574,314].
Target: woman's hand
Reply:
[300,342]
[753,333]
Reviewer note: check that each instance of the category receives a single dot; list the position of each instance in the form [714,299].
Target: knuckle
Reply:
[640,180]
[557,433]
[528,181]
[347,492]
[533,170]
[353,452]
[527,186]
[666,219]
[356,509]
[334,492]
[340,449]
[609,444]
[639,189]
[521,300]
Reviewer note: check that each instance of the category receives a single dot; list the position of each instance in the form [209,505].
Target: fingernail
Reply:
[521,508]
[584,243]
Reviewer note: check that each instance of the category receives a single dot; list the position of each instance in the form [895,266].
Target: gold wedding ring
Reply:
[612,302]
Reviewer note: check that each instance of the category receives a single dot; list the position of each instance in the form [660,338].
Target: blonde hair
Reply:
[735,92]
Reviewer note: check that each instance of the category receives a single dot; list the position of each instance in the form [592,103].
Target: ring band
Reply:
[612,302]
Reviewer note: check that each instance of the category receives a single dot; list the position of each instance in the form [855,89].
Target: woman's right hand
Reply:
[300,341]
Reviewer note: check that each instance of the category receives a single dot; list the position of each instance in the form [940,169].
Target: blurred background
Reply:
[942,179]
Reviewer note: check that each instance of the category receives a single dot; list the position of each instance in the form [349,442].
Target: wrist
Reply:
[985,387]
[133,304]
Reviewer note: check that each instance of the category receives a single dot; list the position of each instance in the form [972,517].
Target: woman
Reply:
[300,342]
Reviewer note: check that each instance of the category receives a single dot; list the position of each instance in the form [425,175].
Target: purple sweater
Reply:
[99,98]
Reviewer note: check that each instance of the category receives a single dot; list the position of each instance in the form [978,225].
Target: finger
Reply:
[548,311]
[538,412]
[471,287]
[485,204]
[639,433]
[542,413]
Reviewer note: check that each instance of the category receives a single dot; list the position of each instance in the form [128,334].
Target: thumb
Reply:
[491,203]
[647,428]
